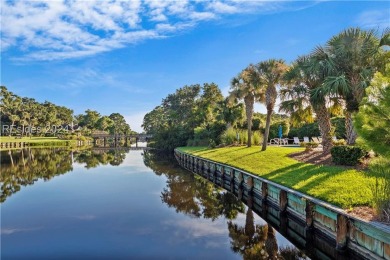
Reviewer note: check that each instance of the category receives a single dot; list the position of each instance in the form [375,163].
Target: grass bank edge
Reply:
[38,142]
[340,186]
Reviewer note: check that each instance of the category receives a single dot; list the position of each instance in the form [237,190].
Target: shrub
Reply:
[212,143]
[274,129]
[257,138]
[229,136]
[243,137]
[380,170]
[339,127]
[339,142]
[190,142]
[309,146]
[347,155]
[309,130]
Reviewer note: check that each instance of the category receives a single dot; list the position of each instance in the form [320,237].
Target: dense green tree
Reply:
[154,121]
[119,125]
[173,122]
[27,114]
[230,112]
[373,119]
[10,106]
[104,123]
[90,118]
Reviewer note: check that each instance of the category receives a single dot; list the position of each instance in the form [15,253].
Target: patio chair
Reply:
[274,141]
[316,140]
[306,139]
[296,140]
[283,141]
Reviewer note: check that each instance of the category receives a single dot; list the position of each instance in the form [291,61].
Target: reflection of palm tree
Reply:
[271,244]
[191,194]
[253,241]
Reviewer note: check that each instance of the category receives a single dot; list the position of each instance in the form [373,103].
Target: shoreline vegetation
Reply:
[345,187]
[39,142]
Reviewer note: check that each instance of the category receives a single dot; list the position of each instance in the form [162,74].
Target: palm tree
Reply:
[270,73]
[245,86]
[350,58]
[296,103]
[306,75]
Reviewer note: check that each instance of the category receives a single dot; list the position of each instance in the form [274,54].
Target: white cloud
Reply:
[65,29]
[374,19]
[10,231]
[199,228]
[135,121]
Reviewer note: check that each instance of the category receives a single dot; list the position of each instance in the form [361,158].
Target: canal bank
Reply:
[13,142]
[308,218]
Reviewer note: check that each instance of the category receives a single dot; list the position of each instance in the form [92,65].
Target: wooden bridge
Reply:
[118,137]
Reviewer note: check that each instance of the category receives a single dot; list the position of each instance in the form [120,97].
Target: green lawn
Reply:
[38,142]
[7,139]
[337,185]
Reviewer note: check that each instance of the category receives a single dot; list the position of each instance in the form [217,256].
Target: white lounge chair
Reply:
[306,139]
[316,140]
[296,140]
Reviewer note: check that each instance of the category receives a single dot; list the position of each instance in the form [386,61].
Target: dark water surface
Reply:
[123,204]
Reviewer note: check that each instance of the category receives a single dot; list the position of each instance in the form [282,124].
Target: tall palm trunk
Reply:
[270,99]
[349,128]
[324,124]
[267,127]
[249,102]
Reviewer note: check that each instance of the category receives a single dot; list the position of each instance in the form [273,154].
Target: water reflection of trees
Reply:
[96,157]
[26,166]
[191,194]
[253,241]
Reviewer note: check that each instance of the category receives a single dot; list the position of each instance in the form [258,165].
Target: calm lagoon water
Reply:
[119,204]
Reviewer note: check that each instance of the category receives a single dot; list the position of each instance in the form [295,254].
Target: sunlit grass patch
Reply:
[344,187]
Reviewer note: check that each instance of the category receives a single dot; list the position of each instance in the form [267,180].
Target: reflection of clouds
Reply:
[198,228]
[134,159]
[9,231]
[85,217]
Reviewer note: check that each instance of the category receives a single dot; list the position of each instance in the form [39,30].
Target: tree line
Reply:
[331,80]
[29,117]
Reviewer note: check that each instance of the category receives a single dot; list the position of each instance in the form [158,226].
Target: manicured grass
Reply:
[7,139]
[344,187]
[38,142]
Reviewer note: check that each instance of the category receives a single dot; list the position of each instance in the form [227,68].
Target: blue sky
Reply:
[126,56]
